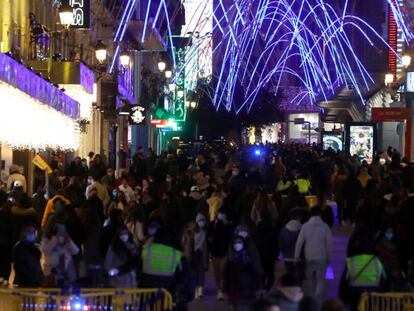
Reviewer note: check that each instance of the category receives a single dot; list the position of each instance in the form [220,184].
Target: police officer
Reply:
[303,184]
[162,266]
[364,273]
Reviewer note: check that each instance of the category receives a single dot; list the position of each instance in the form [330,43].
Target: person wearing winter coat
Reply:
[219,241]
[243,275]
[200,259]
[6,246]
[265,235]
[50,207]
[316,239]
[26,259]
[121,251]
[263,205]
[287,241]
[16,175]
[287,295]
[22,213]
[58,250]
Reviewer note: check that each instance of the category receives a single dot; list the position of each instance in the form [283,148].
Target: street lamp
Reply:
[180,93]
[193,104]
[187,104]
[389,78]
[171,87]
[161,66]
[66,15]
[100,51]
[124,59]
[168,74]
[406,61]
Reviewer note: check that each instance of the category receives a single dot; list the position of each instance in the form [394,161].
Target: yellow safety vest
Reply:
[303,185]
[281,186]
[160,260]
[364,271]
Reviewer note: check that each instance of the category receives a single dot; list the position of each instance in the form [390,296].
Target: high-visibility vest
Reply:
[364,271]
[160,260]
[282,186]
[303,185]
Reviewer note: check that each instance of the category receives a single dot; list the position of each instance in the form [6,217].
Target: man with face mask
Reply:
[26,259]
[243,276]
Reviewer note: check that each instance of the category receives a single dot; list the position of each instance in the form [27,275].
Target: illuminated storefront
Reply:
[301,132]
[35,114]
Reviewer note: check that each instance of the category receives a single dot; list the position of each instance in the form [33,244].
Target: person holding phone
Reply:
[58,249]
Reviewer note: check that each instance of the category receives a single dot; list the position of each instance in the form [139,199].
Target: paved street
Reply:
[340,240]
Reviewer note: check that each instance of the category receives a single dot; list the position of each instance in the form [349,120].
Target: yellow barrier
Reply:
[23,299]
[387,302]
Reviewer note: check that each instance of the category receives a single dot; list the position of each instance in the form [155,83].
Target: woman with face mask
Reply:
[199,260]
[243,275]
[121,251]
[58,249]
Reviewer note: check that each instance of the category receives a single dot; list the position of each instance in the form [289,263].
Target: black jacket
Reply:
[26,260]
[219,239]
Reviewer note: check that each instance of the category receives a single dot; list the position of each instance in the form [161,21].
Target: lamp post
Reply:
[100,51]
[124,59]
[161,66]
[406,61]
[66,15]
[389,79]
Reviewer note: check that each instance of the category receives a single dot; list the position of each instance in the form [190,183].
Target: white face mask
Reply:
[235,172]
[90,181]
[201,223]
[238,247]
[389,235]
[243,234]
[124,237]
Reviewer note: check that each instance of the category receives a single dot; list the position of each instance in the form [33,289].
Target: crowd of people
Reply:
[260,220]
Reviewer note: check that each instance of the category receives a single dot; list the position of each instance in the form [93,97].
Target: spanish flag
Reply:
[42,164]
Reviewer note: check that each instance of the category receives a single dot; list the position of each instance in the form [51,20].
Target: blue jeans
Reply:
[315,277]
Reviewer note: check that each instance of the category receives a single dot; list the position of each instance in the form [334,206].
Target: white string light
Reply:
[85,99]
[27,123]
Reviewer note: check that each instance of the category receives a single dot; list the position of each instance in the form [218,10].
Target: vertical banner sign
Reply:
[81,13]
[392,41]
[179,103]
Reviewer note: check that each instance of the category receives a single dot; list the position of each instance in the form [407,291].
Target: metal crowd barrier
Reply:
[23,299]
[386,302]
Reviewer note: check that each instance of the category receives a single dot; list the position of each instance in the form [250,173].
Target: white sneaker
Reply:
[196,296]
[220,295]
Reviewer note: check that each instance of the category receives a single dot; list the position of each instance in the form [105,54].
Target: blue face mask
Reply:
[389,235]
[31,237]
[152,230]
[238,247]
[221,217]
